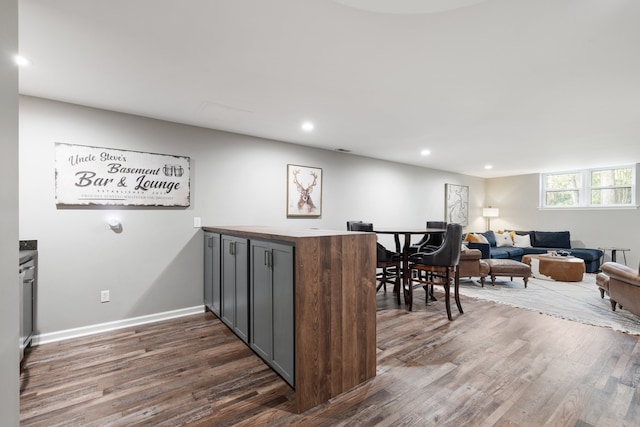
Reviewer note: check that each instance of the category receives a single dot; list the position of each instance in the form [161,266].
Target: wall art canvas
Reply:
[457,204]
[87,175]
[304,191]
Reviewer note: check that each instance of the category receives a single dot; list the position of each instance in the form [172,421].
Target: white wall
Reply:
[9,359]
[155,264]
[517,197]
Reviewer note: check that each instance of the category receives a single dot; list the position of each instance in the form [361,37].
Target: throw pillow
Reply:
[470,237]
[503,239]
[481,238]
[523,241]
[476,238]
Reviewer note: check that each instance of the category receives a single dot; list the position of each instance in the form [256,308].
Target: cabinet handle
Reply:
[210,242]
[232,248]
[268,258]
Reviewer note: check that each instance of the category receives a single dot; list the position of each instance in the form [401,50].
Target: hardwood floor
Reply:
[493,365]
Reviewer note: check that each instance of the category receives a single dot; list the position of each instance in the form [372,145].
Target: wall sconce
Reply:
[115,225]
[490,213]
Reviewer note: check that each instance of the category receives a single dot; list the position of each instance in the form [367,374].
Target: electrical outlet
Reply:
[197,223]
[104,296]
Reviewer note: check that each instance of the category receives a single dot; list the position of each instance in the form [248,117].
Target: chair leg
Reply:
[447,303]
[456,286]
[398,286]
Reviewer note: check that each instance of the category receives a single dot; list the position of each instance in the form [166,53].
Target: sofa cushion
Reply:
[534,251]
[506,252]
[490,237]
[499,253]
[552,239]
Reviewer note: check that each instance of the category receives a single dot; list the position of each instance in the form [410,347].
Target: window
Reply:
[606,187]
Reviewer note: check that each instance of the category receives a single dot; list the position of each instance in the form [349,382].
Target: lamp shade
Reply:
[490,212]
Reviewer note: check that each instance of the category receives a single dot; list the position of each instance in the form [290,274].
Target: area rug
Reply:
[577,301]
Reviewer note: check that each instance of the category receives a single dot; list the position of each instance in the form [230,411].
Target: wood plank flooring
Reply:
[494,365]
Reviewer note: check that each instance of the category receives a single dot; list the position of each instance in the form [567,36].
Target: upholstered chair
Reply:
[472,265]
[624,286]
[429,242]
[387,262]
[440,267]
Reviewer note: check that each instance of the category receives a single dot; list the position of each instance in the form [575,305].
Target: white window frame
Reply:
[584,189]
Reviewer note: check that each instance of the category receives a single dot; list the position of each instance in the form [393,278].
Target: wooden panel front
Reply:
[335,321]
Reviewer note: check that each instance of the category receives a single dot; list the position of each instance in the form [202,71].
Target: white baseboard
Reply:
[112,326]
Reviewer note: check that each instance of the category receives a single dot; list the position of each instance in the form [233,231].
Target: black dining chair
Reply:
[440,267]
[387,261]
[430,242]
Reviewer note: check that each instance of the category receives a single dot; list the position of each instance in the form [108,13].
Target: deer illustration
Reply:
[305,198]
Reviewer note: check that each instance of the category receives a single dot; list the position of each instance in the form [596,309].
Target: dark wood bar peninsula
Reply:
[309,296]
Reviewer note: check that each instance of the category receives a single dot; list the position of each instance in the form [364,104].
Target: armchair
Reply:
[624,286]
[472,265]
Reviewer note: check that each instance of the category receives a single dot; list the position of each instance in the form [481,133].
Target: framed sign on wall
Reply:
[302,181]
[87,175]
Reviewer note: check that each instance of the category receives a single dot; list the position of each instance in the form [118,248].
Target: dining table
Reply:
[403,249]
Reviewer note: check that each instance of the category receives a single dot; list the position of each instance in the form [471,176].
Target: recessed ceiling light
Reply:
[488,167]
[21,61]
[425,152]
[307,126]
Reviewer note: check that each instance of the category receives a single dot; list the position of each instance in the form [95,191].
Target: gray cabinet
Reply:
[27,283]
[212,272]
[272,305]
[234,308]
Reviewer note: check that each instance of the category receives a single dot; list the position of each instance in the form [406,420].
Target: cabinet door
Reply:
[212,272]
[283,312]
[272,306]
[228,281]
[261,300]
[242,289]
[234,308]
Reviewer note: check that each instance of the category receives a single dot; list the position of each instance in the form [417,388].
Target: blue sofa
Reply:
[541,242]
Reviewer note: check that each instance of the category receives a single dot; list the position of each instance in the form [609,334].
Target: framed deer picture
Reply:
[304,191]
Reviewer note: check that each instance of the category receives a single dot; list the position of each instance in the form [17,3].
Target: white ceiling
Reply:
[525,85]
